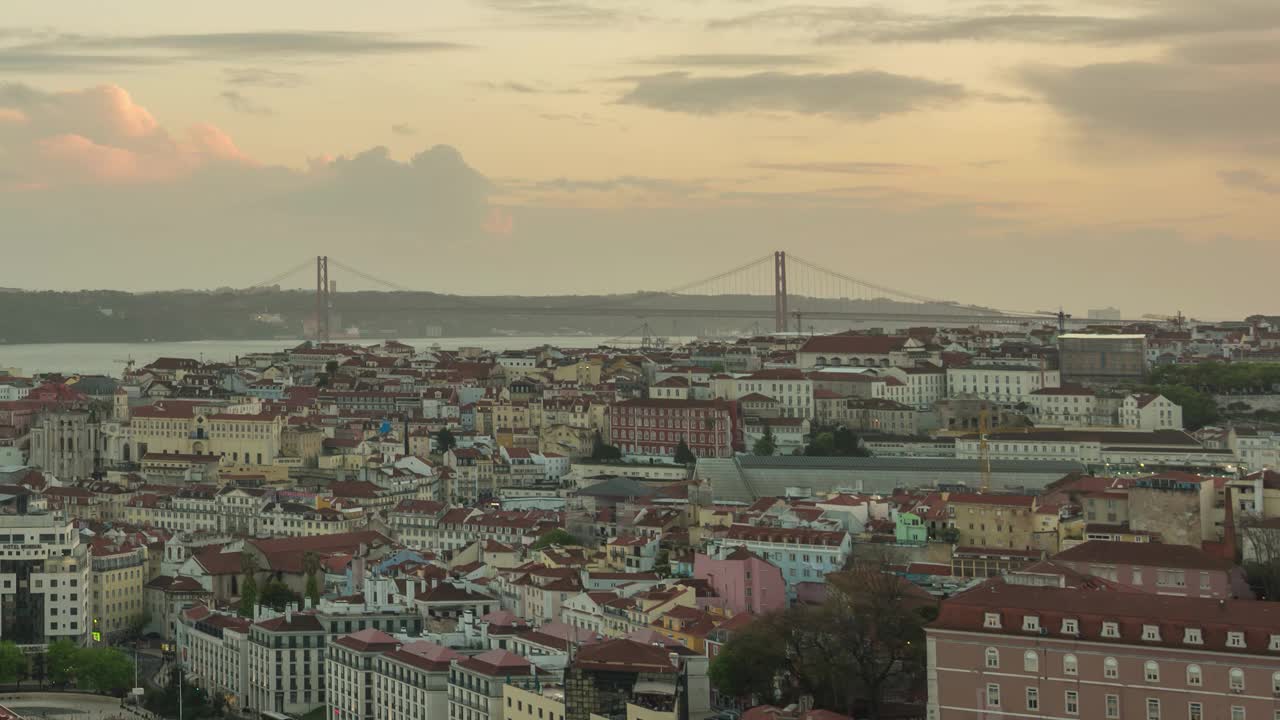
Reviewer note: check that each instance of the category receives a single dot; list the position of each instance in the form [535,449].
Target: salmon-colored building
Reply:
[1097,650]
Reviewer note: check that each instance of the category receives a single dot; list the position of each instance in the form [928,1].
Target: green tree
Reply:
[13,664]
[311,566]
[249,584]
[749,664]
[277,595]
[103,669]
[60,661]
[766,444]
[602,451]
[834,442]
[445,441]
[684,456]
[555,537]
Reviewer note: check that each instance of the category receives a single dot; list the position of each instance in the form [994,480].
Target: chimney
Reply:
[288,613]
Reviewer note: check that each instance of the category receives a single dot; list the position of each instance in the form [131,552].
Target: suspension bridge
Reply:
[785,287]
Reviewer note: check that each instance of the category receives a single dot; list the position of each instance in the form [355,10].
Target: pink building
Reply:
[1158,568]
[1101,651]
[747,582]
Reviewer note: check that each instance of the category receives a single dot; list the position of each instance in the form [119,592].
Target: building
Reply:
[1003,384]
[1102,359]
[843,350]
[117,574]
[44,573]
[744,581]
[287,664]
[1147,411]
[1003,521]
[349,670]
[648,428]
[1158,568]
[804,555]
[1093,650]
[476,683]
[65,444]
[214,648]
[412,681]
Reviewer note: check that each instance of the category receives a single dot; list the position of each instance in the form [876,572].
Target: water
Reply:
[110,358]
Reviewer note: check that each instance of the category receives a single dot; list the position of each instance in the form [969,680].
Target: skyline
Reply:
[1059,153]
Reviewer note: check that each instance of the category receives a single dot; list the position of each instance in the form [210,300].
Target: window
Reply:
[1152,671]
[993,695]
[1236,680]
[1151,632]
[1110,668]
[1192,636]
[1194,678]
[1070,627]
[1069,665]
[1071,702]
[1031,623]
[1275,683]
[1031,661]
[1237,712]
[1153,709]
[993,658]
[1033,698]
[1113,706]
[1195,711]
[1110,630]
[1235,639]
[1274,643]
[992,620]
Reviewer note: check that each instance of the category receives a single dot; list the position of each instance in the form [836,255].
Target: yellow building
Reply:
[117,575]
[690,626]
[1003,521]
[186,428]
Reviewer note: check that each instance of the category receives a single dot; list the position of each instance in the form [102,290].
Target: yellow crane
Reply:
[984,450]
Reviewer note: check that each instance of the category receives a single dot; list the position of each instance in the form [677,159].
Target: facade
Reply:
[215,652]
[745,582]
[65,444]
[117,575]
[1003,521]
[1145,411]
[476,683]
[1003,650]
[1009,385]
[44,573]
[412,682]
[803,555]
[1102,359]
[654,428]
[286,664]
[349,670]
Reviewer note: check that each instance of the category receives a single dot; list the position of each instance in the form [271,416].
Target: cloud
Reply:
[863,95]
[1250,179]
[563,12]
[842,168]
[1231,51]
[1163,102]
[262,77]
[100,135]
[1155,21]
[665,186]
[241,104]
[44,52]
[404,129]
[733,60]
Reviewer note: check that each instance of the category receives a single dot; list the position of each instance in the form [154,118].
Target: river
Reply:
[110,358]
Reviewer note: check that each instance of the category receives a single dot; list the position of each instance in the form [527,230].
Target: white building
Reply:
[923,385]
[804,555]
[1070,406]
[43,557]
[792,389]
[1012,385]
[1145,411]
[215,651]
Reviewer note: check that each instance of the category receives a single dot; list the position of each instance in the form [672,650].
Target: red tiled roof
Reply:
[368,640]
[1144,554]
[498,663]
[802,536]
[853,344]
[624,655]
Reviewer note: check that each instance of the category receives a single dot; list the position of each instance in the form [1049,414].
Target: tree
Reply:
[834,442]
[103,669]
[1262,544]
[750,662]
[555,537]
[602,451]
[249,585]
[445,441]
[60,662]
[684,456]
[311,566]
[13,664]
[277,596]
[766,444]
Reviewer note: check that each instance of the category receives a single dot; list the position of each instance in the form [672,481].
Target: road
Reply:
[71,706]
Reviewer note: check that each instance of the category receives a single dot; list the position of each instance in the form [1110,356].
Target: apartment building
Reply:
[44,572]
[117,575]
[476,683]
[1003,384]
[1007,650]
[647,428]
[804,555]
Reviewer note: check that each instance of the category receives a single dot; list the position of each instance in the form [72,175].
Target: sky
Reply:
[1016,155]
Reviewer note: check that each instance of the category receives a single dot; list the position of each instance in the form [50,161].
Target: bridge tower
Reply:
[780,291]
[322,298]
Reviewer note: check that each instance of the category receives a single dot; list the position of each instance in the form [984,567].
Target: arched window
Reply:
[1275,683]
[1237,679]
[1152,671]
[822,361]
[993,658]
[1110,668]
[1031,661]
[1069,665]
[1194,678]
